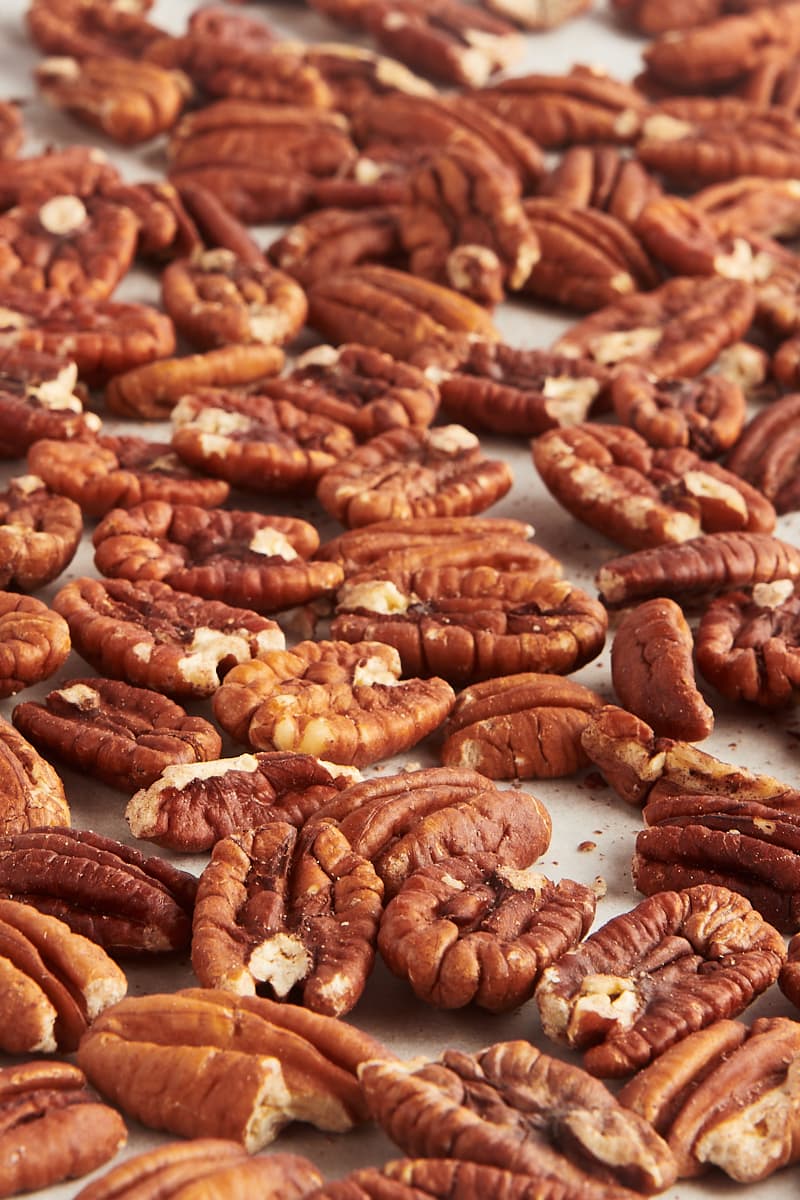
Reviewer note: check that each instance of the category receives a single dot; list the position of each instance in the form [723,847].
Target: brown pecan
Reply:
[786,362]
[257,442]
[410,318]
[38,400]
[706,414]
[216,226]
[752,204]
[768,453]
[239,557]
[208,1164]
[601,177]
[726,1097]
[355,73]
[227,1066]
[71,170]
[344,703]
[703,566]
[120,734]
[677,329]
[336,238]
[216,299]
[413,472]
[748,644]
[525,726]
[679,235]
[673,964]
[472,622]
[100,888]
[34,642]
[53,1127]
[289,911]
[10,129]
[190,807]
[471,929]
[91,27]
[39,533]
[54,982]
[511,1106]
[166,228]
[149,634]
[789,978]
[152,391]
[773,82]
[653,672]
[653,17]
[130,101]
[32,791]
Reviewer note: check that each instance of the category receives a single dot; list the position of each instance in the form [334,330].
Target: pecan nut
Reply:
[39,533]
[91,27]
[38,400]
[601,177]
[768,453]
[333,239]
[706,414]
[34,642]
[32,791]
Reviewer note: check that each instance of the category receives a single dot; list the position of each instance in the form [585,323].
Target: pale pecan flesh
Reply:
[34,642]
[675,963]
[39,533]
[706,414]
[32,791]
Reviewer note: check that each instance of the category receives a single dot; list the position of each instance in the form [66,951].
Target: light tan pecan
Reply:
[34,642]
[39,399]
[39,533]
[289,911]
[91,27]
[524,726]
[333,239]
[601,177]
[768,453]
[676,962]
[53,1127]
[239,1067]
[511,1106]
[32,791]
[748,644]
[344,703]
[471,929]
[706,414]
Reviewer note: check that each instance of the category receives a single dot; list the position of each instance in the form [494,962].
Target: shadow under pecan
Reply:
[675,963]
[748,644]
[768,453]
[32,791]
[705,414]
[34,642]
[39,533]
[53,1127]
[38,399]
[471,929]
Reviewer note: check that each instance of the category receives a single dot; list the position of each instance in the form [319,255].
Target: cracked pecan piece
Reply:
[119,472]
[748,644]
[344,703]
[39,533]
[767,454]
[190,808]
[238,557]
[34,642]
[54,1128]
[291,911]
[652,668]
[705,414]
[120,734]
[511,1106]
[524,726]
[32,791]
[152,635]
[86,28]
[263,1064]
[38,399]
[676,962]
[103,890]
[601,177]
[471,929]
[53,982]
[412,472]
[726,1097]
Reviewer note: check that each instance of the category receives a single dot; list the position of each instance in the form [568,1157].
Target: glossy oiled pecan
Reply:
[71,170]
[706,414]
[39,533]
[32,791]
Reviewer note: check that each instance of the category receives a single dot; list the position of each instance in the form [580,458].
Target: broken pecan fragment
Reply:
[53,1127]
[120,734]
[471,929]
[748,644]
[101,889]
[32,791]
[39,533]
[38,400]
[34,642]
[673,964]
[768,453]
[706,414]
[239,1067]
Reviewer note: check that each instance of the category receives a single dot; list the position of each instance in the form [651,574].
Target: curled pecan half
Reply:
[673,964]
[768,453]
[39,533]
[707,413]
[32,791]
[34,642]
[38,400]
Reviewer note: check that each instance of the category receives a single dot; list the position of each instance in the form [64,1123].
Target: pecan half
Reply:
[100,888]
[789,978]
[768,453]
[39,533]
[752,204]
[120,734]
[38,400]
[473,930]
[71,170]
[34,642]
[91,27]
[673,964]
[707,414]
[167,229]
[32,791]
[601,177]
[10,129]
[355,73]
[333,239]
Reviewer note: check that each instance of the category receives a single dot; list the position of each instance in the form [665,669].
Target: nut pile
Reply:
[364,629]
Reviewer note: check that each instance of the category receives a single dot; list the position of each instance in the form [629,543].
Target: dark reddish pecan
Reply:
[525,726]
[228,1066]
[149,634]
[34,642]
[216,299]
[408,473]
[410,318]
[117,472]
[205,1163]
[102,889]
[73,170]
[11,135]
[653,672]
[752,204]
[166,229]
[291,911]
[38,400]
[673,964]
[120,734]
[768,453]
[706,414]
[255,441]
[336,238]
[610,478]
[653,17]
[190,807]
[473,930]
[91,27]
[601,177]
[216,226]
[513,1107]
[789,978]
[472,622]
[32,791]
[239,557]
[677,329]
[39,533]
[703,566]
[748,644]
[344,703]
[53,1127]
[53,982]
